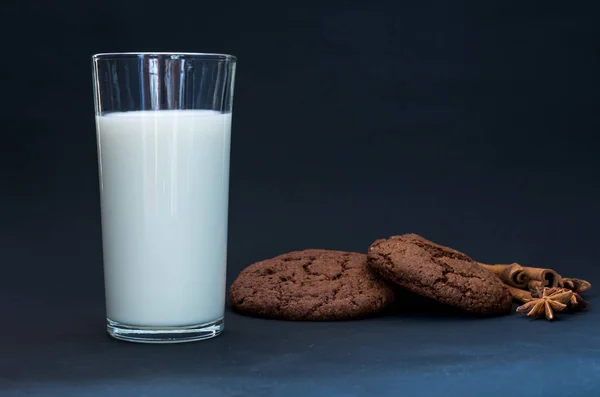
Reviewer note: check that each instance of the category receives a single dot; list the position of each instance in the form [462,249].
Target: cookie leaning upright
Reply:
[310,285]
[439,273]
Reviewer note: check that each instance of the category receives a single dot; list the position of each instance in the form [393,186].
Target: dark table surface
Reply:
[62,349]
[53,342]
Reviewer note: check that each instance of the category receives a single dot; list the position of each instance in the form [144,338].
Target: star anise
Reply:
[575,303]
[546,302]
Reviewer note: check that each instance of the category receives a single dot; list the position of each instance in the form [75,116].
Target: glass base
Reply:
[190,333]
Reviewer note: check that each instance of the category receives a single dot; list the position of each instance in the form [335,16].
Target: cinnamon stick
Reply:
[548,277]
[513,275]
[519,295]
[519,276]
[535,285]
[574,284]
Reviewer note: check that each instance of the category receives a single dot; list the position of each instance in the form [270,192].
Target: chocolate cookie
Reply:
[310,285]
[439,273]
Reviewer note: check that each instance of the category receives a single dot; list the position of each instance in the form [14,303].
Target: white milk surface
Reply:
[164,183]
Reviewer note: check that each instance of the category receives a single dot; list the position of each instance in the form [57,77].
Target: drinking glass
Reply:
[163,127]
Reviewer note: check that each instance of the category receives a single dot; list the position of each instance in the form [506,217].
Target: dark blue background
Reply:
[472,123]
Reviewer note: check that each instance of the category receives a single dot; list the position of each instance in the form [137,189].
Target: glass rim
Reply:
[199,55]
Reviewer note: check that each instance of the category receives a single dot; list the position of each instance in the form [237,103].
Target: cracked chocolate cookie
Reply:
[439,273]
[310,285]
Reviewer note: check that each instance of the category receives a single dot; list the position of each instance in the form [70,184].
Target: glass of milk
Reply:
[163,126]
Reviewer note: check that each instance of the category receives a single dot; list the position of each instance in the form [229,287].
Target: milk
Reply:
[164,183]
